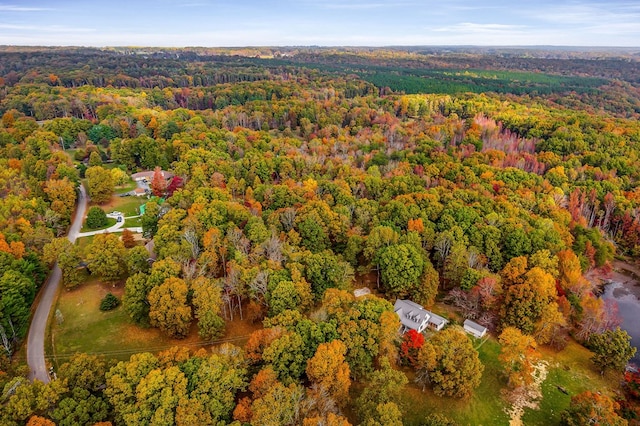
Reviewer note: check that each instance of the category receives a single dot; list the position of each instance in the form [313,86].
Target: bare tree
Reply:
[258,287]
[443,247]
[473,258]
[5,341]
[288,219]
[189,268]
[191,237]
[238,240]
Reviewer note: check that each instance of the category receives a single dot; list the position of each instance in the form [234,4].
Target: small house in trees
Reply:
[139,192]
[412,316]
[415,317]
[148,175]
[474,328]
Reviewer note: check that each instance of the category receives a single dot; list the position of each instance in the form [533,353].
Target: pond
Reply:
[627,295]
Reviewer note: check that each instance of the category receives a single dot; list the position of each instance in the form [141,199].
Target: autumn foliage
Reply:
[412,341]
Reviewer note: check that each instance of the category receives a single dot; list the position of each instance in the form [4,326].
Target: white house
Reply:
[437,322]
[474,328]
[415,317]
[412,316]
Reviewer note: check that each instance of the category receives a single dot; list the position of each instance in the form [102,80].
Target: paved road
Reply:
[37,331]
[118,227]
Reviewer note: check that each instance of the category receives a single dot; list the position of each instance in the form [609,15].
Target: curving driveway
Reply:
[118,227]
[37,331]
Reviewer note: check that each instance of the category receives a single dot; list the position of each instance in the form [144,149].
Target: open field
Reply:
[86,329]
[485,407]
[127,205]
[570,369]
[133,223]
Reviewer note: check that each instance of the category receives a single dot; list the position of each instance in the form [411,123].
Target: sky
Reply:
[177,23]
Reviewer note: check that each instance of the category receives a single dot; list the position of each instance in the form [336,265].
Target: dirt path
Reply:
[527,397]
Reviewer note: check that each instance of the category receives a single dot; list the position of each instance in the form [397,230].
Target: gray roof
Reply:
[437,320]
[411,314]
[474,326]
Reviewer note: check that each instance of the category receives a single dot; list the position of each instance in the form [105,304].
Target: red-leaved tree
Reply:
[412,341]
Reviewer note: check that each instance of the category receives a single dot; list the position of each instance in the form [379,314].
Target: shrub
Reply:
[96,218]
[109,302]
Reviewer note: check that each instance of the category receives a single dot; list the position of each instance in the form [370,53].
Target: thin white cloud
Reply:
[472,28]
[45,28]
[360,5]
[356,6]
[588,14]
[14,8]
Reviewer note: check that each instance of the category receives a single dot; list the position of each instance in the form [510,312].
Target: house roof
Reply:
[437,320]
[411,314]
[474,326]
[149,175]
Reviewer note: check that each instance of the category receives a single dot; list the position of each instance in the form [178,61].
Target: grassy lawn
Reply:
[84,241]
[484,407]
[572,370]
[110,222]
[129,186]
[86,329]
[133,223]
[127,205]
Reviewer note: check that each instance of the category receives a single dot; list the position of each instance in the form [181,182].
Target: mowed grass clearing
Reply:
[484,407]
[127,205]
[572,370]
[87,329]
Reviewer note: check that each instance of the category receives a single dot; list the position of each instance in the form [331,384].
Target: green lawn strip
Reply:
[129,186]
[110,222]
[572,370]
[126,205]
[484,407]
[133,223]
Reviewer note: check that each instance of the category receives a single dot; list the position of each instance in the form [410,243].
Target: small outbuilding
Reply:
[139,192]
[474,328]
[436,322]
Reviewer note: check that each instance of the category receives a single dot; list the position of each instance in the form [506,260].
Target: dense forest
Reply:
[481,185]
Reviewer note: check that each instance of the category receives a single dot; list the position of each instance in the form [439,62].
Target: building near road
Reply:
[139,192]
